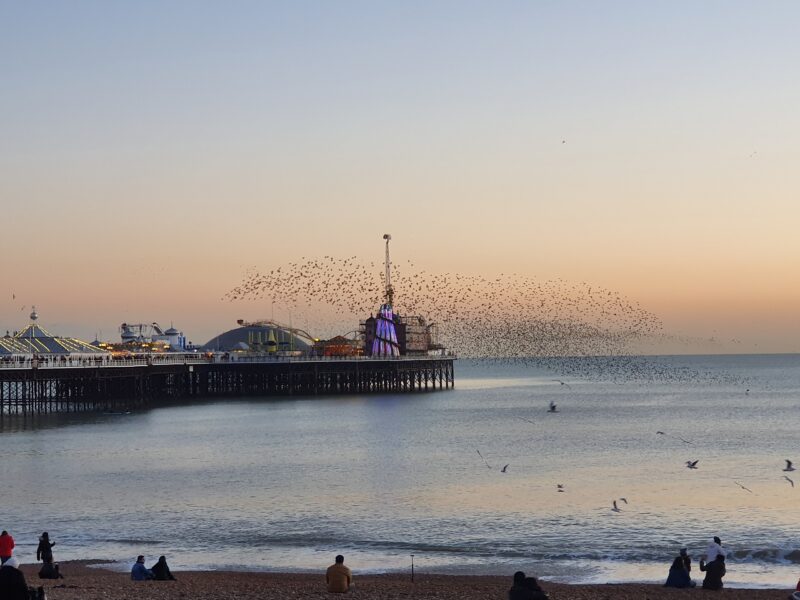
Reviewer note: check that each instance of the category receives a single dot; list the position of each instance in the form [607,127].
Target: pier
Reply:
[35,386]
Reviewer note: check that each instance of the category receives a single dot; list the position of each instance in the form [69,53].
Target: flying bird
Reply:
[615,509]
[674,437]
[789,466]
[563,383]
[560,487]
[625,500]
[743,487]
[503,470]
[552,407]
[692,464]
[527,420]
[484,460]
[789,480]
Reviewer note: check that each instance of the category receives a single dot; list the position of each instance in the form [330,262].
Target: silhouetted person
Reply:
[536,590]
[519,591]
[715,571]
[338,577]
[161,570]
[679,572]
[12,581]
[44,552]
[6,546]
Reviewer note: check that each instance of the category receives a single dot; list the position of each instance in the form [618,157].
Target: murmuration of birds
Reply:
[572,328]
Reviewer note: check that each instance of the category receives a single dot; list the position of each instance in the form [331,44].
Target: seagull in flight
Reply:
[527,420]
[789,466]
[615,509]
[503,470]
[743,487]
[789,480]
[625,500]
[692,464]
[560,487]
[552,407]
[674,437]
[563,383]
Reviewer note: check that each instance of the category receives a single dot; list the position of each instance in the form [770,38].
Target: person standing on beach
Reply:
[715,549]
[6,546]
[12,581]
[44,553]
[338,577]
[715,571]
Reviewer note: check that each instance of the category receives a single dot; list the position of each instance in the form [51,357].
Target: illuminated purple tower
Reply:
[385,342]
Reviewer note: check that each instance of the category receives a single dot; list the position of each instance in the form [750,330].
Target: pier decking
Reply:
[32,386]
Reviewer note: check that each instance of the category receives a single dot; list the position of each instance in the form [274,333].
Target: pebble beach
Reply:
[86,582]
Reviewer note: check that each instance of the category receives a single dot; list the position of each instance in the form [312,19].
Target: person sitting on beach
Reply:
[715,549]
[161,570]
[12,581]
[338,577]
[679,572]
[6,546]
[519,589]
[533,585]
[139,572]
[715,571]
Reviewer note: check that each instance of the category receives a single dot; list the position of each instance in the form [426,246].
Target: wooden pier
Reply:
[37,387]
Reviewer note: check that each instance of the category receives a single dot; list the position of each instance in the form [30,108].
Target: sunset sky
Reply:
[152,152]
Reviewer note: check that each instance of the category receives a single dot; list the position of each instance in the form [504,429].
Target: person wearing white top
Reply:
[714,549]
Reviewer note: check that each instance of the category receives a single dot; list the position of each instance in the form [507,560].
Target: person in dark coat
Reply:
[525,588]
[12,581]
[518,590]
[678,574]
[687,560]
[715,571]
[45,550]
[44,553]
[537,591]
[161,570]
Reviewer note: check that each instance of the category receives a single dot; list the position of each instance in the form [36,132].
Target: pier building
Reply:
[33,340]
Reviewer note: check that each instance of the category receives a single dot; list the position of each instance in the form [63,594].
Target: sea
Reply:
[269,484]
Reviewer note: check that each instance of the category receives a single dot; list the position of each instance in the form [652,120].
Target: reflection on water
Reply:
[285,484]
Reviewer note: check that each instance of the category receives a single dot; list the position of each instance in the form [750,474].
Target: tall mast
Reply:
[389,290]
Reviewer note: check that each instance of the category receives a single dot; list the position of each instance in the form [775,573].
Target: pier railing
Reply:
[33,385]
[94,362]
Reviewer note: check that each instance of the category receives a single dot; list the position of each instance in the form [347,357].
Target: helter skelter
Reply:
[385,342]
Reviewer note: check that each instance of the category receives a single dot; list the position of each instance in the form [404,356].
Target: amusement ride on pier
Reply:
[41,373]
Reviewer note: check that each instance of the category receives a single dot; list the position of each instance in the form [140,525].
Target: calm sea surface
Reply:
[286,484]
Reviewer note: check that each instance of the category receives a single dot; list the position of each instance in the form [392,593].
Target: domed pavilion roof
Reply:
[35,340]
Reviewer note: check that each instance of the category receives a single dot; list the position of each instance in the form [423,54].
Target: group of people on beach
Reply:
[713,566]
[526,588]
[12,581]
